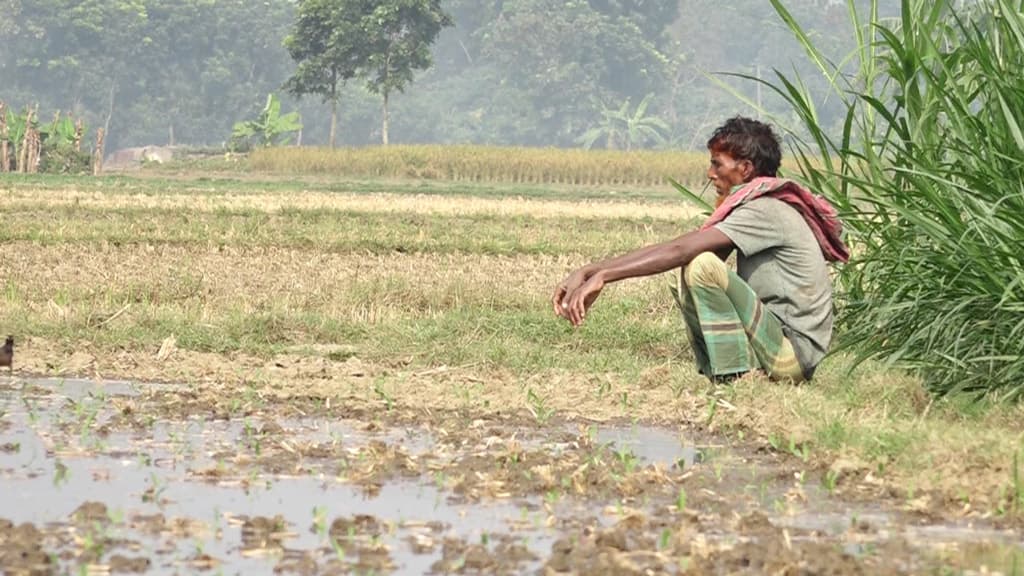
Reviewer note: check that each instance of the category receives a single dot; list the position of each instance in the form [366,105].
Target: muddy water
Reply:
[126,477]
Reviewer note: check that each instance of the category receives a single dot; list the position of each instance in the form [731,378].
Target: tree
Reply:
[270,128]
[77,47]
[9,9]
[522,72]
[327,44]
[190,68]
[652,17]
[620,127]
[208,66]
[569,58]
[398,35]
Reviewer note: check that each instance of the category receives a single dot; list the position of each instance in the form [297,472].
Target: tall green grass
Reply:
[928,169]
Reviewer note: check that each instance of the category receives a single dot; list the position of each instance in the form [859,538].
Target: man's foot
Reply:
[728,378]
[739,376]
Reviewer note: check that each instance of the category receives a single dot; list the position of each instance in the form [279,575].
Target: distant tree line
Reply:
[567,73]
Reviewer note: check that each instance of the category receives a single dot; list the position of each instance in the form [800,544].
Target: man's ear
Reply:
[747,169]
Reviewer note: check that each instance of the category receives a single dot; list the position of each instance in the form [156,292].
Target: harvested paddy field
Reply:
[259,377]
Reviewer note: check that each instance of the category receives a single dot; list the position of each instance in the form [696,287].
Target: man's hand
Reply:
[564,290]
[582,298]
[574,295]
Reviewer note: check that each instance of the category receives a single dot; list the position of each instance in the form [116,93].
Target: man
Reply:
[775,315]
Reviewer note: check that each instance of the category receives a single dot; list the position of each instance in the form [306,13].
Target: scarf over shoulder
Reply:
[819,214]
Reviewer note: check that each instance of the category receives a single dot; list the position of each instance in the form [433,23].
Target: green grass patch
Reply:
[522,341]
[160,183]
[336,230]
[527,341]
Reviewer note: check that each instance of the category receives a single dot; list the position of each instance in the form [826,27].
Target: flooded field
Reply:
[104,477]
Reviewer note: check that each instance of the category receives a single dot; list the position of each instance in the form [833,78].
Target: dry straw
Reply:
[490,164]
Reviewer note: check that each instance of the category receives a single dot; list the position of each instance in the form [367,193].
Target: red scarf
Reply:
[820,216]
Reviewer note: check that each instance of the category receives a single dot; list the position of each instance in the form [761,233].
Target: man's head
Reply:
[742,149]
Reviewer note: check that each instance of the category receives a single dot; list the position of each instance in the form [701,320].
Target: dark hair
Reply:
[748,139]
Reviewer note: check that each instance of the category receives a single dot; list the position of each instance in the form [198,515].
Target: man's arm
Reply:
[574,296]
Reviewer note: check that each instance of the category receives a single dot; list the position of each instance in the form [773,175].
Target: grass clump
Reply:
[928,169]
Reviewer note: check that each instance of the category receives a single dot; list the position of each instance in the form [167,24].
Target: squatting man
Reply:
[774,313]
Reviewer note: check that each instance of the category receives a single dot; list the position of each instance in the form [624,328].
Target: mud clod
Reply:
[259,532]
[21,550]
[296,562]
[90,513]
[360,525]
[125,565]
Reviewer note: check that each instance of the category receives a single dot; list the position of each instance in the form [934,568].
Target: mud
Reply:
[133,478]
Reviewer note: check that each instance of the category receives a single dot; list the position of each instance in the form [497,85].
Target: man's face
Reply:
[726,171]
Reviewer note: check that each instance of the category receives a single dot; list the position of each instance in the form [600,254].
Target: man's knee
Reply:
[707,270]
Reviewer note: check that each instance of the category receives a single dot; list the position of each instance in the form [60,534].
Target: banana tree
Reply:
[271,128]
[16,126]
[620,127]
[60,132]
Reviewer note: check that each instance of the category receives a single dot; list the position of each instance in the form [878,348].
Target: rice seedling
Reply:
[681,500]
[928,170]
[538,407]
[830,480]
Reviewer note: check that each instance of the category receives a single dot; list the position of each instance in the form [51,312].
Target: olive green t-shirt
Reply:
[780,259]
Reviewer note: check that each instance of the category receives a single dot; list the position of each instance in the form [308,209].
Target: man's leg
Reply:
[738,333]
[689,310]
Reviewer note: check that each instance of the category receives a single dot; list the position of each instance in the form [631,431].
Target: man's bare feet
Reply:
[740,377]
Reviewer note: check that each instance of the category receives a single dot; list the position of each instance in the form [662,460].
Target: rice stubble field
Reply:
[247,375]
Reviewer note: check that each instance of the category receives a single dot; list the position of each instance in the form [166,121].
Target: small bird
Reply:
[7,354]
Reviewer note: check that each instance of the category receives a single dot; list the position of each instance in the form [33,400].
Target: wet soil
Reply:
[138,478]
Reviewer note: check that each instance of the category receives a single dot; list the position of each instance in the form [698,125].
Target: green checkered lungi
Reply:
[731,332]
